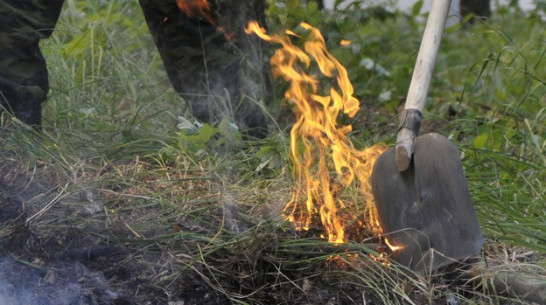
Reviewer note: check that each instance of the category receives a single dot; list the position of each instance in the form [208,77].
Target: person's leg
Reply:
[211,62]
[23,73]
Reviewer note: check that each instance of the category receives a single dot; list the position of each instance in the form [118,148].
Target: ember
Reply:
[325,161]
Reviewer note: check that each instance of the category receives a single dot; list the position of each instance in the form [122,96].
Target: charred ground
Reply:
[178,234]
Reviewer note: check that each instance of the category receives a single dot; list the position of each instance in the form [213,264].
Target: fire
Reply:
[201,8]
[345,42]
[325,161]
[392,247]
[196,8]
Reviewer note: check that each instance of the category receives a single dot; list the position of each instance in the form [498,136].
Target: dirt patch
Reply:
[54,259]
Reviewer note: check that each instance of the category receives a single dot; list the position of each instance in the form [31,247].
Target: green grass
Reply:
[110,130]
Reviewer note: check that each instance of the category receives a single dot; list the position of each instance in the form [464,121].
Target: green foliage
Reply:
[197,139]
[287,14]
[502,105]
[272,156]
[107,82]
[377,68]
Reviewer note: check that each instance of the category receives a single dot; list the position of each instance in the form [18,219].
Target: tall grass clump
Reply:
[501,128]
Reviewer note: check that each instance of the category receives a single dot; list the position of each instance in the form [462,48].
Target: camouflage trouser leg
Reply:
[23,73]
[218,69]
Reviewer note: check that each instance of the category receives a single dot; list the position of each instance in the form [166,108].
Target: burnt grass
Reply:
[36,266]
[59,259]
[69,255]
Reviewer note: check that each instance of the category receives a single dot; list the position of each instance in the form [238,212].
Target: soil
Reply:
[51,262]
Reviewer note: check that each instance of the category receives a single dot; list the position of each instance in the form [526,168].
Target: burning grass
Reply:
[319,143]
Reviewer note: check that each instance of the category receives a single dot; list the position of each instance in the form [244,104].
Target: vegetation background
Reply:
[192,210]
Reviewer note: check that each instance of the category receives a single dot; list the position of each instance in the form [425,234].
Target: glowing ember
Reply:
[345,42]
[393,248]
[319,145]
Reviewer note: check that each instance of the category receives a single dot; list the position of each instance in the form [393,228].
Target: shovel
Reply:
[419,186]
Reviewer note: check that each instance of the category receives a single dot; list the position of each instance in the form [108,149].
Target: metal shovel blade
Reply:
[427,209]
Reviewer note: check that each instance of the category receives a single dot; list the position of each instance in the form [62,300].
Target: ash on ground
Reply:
[61,283]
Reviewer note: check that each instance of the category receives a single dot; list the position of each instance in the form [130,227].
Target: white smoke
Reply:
[56,284]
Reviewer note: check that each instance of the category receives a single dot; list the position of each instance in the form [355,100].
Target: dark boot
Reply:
[23,72]
[32,118]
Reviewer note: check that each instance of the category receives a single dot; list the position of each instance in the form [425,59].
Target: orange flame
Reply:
[196,8]
[201,8]
[392,247]
[318,142]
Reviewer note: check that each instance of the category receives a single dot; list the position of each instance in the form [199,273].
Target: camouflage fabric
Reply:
[211,62]
[23,72]
[214,65]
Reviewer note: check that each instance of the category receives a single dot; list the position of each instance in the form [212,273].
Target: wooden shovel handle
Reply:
[410,120]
